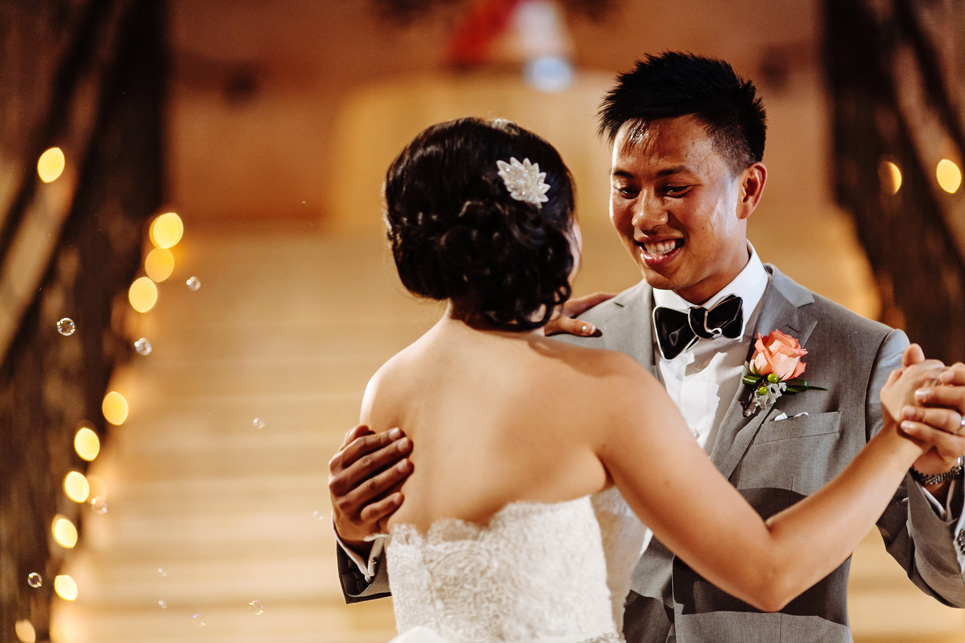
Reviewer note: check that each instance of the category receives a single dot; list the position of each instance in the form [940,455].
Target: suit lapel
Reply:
[632,324]
[784,307]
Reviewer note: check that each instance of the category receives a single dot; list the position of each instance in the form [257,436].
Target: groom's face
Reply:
[677,206]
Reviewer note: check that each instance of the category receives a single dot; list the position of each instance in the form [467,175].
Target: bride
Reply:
[513,527]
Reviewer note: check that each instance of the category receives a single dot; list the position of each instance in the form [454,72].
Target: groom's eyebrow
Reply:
[667,171]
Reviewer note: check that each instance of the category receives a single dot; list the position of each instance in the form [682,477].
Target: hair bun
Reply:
[457,233]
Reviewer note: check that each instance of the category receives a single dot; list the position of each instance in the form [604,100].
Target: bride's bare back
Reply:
[496,417]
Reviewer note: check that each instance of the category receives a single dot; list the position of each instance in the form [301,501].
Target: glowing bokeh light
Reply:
[166,230]
[66,587]
[114,407]
[86,443]
[142,294]
[25,631]
[65,533]
[549,73]
[76,486]
[889,175]
[159,264]
[51,164]
[949,176]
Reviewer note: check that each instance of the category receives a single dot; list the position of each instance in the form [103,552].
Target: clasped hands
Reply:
[929,407]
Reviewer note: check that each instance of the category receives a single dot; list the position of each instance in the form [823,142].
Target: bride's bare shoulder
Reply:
[604,364]
[384,389]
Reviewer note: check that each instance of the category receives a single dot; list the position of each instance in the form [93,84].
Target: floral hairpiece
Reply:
[524,181]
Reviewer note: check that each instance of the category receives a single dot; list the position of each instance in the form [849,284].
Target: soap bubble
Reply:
[143,347]
[161,572]
[34,580]
[198,620]
[256,607]
[193,283]
[162,604]
[66,327]
[258,423]
[98,504]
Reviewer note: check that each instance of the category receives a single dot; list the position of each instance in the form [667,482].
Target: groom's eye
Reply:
[675,190]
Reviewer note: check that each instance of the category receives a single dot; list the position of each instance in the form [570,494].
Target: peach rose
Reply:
[779,354]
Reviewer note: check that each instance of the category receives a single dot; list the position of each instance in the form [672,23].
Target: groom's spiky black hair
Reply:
[674,84]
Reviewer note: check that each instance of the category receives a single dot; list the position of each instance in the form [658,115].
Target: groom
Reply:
[688,139]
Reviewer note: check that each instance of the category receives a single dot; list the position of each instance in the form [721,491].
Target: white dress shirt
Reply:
[703,379]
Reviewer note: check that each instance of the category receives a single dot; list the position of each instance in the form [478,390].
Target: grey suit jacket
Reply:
[773,464]
[776,463]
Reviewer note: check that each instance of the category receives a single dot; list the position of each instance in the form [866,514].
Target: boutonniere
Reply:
[775,369]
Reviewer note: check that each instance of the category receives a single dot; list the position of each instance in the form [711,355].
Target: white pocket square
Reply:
[783,416]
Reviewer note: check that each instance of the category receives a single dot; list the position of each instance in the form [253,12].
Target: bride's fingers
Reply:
[570,326]
[913,354]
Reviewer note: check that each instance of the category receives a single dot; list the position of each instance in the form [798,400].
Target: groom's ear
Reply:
[751,184]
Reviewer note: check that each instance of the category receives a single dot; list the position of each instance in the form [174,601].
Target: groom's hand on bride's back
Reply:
[365,477]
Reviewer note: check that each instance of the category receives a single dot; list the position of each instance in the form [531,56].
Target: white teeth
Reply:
[662,248]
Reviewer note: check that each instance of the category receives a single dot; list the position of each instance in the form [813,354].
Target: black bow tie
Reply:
[677,331]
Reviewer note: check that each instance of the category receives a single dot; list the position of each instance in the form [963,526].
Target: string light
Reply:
[66,587]
[51,164]
[159,264]
[114,408]
[25,631]
[142,294]
[949,175]
[166,230]
[76,486]
[86,443]
[889,175]
[64,531]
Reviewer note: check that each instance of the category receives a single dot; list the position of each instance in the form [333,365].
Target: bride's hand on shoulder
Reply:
[365,476]
[565,319]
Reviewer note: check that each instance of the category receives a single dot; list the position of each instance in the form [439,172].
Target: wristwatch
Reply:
[938,478]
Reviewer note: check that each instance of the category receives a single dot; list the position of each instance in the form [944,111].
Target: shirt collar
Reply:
[749,285]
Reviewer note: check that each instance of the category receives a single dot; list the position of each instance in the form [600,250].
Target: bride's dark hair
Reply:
[457,234]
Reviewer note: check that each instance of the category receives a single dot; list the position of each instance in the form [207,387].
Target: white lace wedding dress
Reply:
[552,573]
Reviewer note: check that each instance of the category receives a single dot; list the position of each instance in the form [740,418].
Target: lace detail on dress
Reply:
[622,535]
[535,572]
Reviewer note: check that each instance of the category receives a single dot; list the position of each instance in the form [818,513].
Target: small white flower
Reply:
[524,181]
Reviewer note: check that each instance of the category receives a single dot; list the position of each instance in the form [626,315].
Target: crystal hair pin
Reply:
[524,181]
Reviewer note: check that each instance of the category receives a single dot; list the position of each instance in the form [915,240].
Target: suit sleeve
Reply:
[355,587]
[922,542]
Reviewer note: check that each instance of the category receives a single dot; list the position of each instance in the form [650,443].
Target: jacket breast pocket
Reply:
[799,427]
[799,454]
